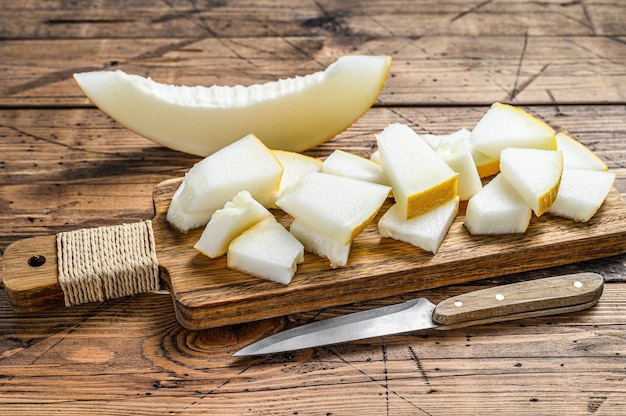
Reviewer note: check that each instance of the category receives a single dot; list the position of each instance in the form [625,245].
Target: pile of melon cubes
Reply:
[508,167]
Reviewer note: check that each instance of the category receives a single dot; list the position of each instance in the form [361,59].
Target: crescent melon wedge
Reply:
[292,114]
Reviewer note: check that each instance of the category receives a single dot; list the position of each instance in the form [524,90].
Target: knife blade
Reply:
[540,297]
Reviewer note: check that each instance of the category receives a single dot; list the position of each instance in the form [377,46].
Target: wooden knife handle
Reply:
[539,297]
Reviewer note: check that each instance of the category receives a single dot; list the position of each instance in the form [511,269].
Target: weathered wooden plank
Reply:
[429,70]
[131,357]
[56,19]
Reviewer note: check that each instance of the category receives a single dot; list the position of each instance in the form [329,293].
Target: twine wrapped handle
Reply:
[96,264]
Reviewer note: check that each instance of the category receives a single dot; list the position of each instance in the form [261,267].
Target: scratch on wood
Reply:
[471,10]
[416,360]
[595,402]
[530,80]
[34,136]
[48,78]
[201,23]
[588,18]
[553,100]
[405,118]
[386,377]
[514,92]
[385,385]
[53,77]
[327,21]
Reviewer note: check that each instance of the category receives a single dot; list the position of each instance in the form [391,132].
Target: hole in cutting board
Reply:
[37,260]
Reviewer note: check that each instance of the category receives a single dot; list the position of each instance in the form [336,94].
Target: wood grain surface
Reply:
[64,165]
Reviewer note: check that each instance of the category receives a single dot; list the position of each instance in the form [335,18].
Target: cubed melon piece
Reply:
[347,164]
[505,126]
[266,250]
[336,206]
[421,180]
[497,209]
[246,164]
[535,174]
[239,214]
[426,231]
[581,193]
[318,243]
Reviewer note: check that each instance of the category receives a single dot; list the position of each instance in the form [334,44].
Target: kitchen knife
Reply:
[547,296]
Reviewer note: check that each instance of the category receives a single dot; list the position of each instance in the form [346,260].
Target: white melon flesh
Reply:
[335,206]
[505,126]
[266,250]
[419,177]
[426,231]
[239,214]
[581,193]
[497,209]
[576,155]
[535,174]
[375,157]
[485,165]
[295,167]
[456,151]
[346,164]
[289,114]
[246,164]
[178,216]
[318,243]
[434,140]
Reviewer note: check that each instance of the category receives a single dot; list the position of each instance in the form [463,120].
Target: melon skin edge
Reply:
[292,114]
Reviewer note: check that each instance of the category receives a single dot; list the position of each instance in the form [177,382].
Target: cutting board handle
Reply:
[81,266]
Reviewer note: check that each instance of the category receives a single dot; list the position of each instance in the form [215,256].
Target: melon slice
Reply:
[335,206]
[244,165]
[226,224]
[535,174]
[456,151]
[505,126]
[289,114]
[581,193]
[576,155]
[266,250]
[421,180]
[318,243]
[426,231]
[497,209]
[295,167]
[346,164]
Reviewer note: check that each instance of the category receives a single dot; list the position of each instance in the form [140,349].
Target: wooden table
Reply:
[64,165]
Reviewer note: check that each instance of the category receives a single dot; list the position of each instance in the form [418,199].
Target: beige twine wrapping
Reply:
[97,264]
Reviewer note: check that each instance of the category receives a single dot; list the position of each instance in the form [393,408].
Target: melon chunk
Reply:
[497,209]
[535,174]
[581,193]
[295,166]
[239,214]
[426,231]
[346,164]
[421,180]
[266,250]
[318,243]
[505,126]
[576,155]
[246,164]
[456,151]
[335,206]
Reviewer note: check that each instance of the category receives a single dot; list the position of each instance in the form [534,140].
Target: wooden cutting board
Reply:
[207,294]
